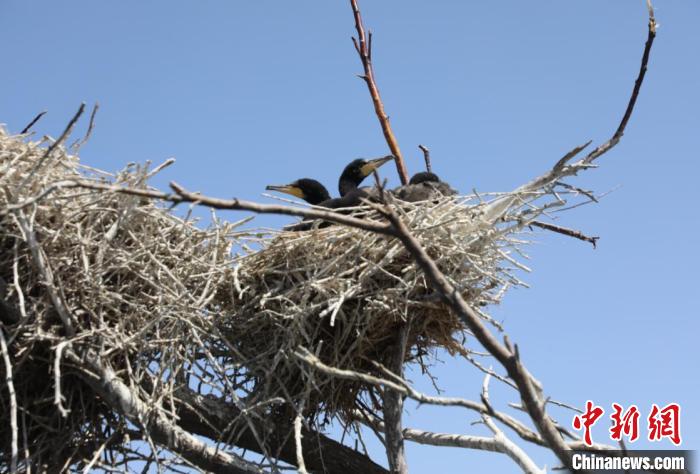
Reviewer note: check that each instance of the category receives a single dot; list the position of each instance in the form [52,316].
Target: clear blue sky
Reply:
[245,94]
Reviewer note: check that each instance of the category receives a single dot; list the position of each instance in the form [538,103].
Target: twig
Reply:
[45,271]
[321,454]
[405,389]
[54,145]
[13,400]
[465,441]
[605,147]
[363,46]
[183,196]
[559,165]
[98,453]
[565,231]
[511,449]
[588,194]
[33,122]
[438,439]
[79,143]
[106,383]
[301,466]
[58,397]
[426,157]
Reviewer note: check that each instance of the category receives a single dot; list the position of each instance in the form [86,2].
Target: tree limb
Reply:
[363,46]
[393,408]
[163,431]
[213,418]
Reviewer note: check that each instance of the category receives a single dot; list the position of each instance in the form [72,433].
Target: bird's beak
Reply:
[287,189]
[372,165]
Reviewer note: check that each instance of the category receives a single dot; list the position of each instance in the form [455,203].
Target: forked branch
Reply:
[363,46]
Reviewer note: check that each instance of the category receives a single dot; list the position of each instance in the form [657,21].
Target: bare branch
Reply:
[393,408]
[404,388]
[79,143]
[13,400]
[605,147]
[105,382]
[363,46]
[321,454]
[511,449]
[565,231]
[426,157]
[41,263]
[66,132]
[183,196]
[439,439]
[471,319]
[33,122]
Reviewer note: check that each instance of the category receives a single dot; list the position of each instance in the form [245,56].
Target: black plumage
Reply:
[424,176]
[356,171]
[422,187]
[353,174]
[307,189]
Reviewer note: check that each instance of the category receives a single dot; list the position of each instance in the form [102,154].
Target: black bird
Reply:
[356,171]
[307,189]
[423,186]
[351,195]
[423,177]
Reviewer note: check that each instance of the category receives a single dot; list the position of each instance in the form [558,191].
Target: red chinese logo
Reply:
[665,423]
[662,422]
[589,418]
[627,423]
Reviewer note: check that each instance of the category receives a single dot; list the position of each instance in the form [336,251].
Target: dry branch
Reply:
[363,46]
[162,430]
[426,157]
[393,407]
[29,126]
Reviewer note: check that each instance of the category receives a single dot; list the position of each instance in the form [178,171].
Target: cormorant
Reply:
[424,176]
[423,186]
[356,171]
[351,195]
[307,189]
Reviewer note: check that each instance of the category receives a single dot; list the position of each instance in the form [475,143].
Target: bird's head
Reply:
[357,170]
[424,177]
[307,189]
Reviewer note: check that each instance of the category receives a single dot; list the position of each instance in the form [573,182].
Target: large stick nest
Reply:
[342,294]
[168,304]
[137,279]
